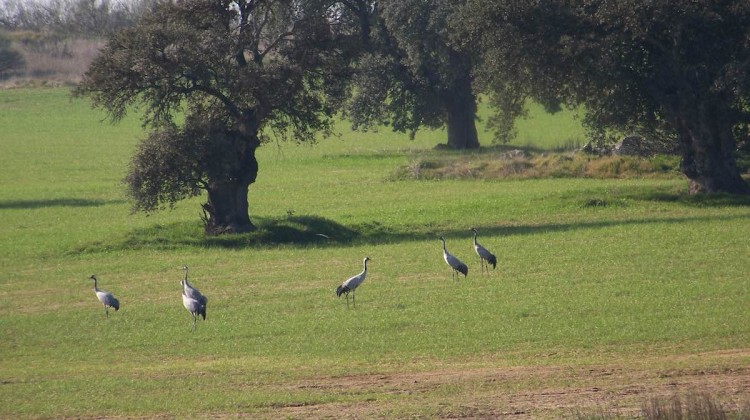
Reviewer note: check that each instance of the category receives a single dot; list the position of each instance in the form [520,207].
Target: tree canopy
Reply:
[413,75]
[662,68]
[239,70]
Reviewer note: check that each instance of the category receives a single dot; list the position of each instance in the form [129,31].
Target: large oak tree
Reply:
[214,78]
[676,68]
[412,75]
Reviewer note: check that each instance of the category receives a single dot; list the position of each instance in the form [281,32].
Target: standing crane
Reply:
[193,300]
[191,291]
[455,263]
[351,284]
[105,298]
[194,307]
[485,256]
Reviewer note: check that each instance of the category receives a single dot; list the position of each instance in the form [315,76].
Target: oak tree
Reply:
[412,75]
[215,79]
[674,68]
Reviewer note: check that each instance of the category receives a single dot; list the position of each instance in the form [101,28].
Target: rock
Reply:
[633,146]
[513,154]
[594,149]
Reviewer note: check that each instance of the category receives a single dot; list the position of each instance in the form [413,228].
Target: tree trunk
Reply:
[461,114]
[707,146]
[227,208]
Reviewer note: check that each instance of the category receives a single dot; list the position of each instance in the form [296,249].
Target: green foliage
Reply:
[238,73]
[668,70]
[413,76]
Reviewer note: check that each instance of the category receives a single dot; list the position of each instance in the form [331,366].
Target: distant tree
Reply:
[675,68]
[10,59]
[412,75]
[240,71]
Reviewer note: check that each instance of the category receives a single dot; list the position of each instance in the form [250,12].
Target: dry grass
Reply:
[524,165]
[52,60]
[692,406]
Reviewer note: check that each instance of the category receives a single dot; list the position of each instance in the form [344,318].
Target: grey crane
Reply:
[194,307]
[193,300]
[455,263]
[105,298]
[352,283]
[191,291]
[485,256]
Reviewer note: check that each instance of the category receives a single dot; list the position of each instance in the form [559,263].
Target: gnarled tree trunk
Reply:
[707,146]
[227,208]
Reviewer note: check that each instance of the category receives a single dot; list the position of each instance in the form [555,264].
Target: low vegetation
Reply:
[520,164]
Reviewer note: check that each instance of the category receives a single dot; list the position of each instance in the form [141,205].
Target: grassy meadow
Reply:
[592,307]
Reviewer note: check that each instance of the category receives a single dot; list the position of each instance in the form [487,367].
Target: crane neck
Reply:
[96,289]
[475,237]
[365,264]
[186,274]
[443,244]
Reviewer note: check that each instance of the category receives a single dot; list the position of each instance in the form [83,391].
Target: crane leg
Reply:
[194,319]
[106,311]
[354,302]
[347,300]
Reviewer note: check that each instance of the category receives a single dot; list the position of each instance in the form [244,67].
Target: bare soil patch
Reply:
[619,389]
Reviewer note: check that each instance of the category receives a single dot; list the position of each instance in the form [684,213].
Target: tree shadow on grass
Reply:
[55,202]
[298,231]
[699,200]
[319,232]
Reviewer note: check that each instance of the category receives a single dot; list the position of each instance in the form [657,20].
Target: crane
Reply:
[485,256]
[352,283]
[105,298]
[455,263]
[194,307]
[193,300]
[191,291]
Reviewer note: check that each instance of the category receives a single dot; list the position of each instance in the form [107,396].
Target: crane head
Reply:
[92,277]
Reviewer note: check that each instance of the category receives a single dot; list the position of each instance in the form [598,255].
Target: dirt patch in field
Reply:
[534,392]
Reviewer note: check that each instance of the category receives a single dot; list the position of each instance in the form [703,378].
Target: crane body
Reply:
[350,285]
[456,265]
[105,297]
[485,257]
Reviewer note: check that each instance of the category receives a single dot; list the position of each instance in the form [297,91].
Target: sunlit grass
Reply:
[590,271]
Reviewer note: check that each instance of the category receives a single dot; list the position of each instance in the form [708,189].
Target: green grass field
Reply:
[590,307]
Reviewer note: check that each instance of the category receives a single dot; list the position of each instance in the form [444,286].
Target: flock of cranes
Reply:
[192,299]
[195,302]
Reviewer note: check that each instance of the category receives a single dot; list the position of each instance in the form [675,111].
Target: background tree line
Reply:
[671,71]
[84,18]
